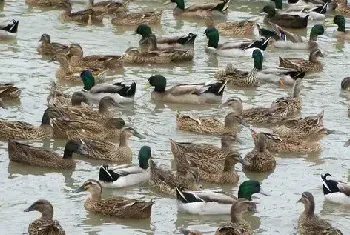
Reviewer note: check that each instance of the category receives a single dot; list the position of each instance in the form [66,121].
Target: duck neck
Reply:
[309,209]
[229,164]
[68,154]
[123,141]
[260,144]
[236,216]
[313,36]
[258,63]
[213,42]
[278,4]
[103,107]
[251,78]
[47,215]
[341,28]
[45,120]
[95,195]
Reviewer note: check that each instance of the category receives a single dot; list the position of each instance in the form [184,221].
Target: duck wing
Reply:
[197,89]
[290,36]
[290,21]
[344,188]
[201,7]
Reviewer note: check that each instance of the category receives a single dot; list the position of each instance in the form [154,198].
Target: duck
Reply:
[200,10]
[35,156]
[165,181]
[203,155]
[47,3]
[85,16]
[206,202]
[103,150]
[48,48]
[136,18]
[335,191]
[258,73]
[57,97]
[311,65]
[232,48]
[2,105]
[120,92]
[341,33]
[341,7]
[124,176]
[46,224]
[9,91]
[105,7]
[311,224]
[238,225]
[345,83]
[196,94]
[9,30]
[118,207]
[283,19]
[232,28]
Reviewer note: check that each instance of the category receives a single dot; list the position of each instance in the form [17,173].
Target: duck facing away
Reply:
[335,191]
[119,207]
[311,224]
[45,225]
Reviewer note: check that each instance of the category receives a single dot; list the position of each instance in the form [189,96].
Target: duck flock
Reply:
[85,110]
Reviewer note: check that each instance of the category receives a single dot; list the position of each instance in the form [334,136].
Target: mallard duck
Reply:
[45,225]
[244,27]
[119,207]
[136,18]
[207,202]
[341,33]
[345,83]
[335,191]
[238,225]
[199,94]
[105,7]
[311,65]
[341,7]
[200,10]
[35,156]
[233,48]
[93,62]
[9,30]
[284,20]
[243,79]
[166,181]
[120,92]
[311,224]
[102,150]
[47,3]
[203,156]
[123,176]
[9,91]
[51,48]
[17,130]
[85,16]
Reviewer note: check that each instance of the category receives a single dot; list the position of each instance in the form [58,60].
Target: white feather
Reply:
[337,198]
[205,208]
[96,97]
[128,180]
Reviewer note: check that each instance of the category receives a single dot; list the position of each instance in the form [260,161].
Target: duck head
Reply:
[158,82]
[74,146]
[269,10]
[45,38]
[179,4]
[106,103]
[145,155]
[78,98]
[258,59]
[43,206]
[316,30]
[144,30]
[309,203]
[248,188]
[92,186]
[278,4]
[213,37]
[340,21]
[88,79]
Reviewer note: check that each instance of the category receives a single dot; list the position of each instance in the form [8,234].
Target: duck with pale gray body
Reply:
[200,10]
[45,225]
[118,207]
[127,175]
[335,191]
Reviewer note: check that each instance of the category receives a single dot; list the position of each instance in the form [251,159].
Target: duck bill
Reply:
[79,190]
[138,135]
[300,200]
[147,86]
[264,193]
[223,104]
[29,209]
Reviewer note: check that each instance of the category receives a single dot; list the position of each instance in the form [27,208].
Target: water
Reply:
[277,214]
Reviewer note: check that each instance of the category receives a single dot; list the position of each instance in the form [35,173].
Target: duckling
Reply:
[136,18]
[9,30]
[345,83]
[51,48]
[124,176]
[311,224]
[207,202]
[198,10]
[105,7]
[341,33]
[335,191]
[47,3]
[311,65]
[234,48]
[119,207]
[284,20]
[9,91]
[238,225]
[166,182]
[35,156]
[102,150]
[85,16]
[45,225]
[196,94]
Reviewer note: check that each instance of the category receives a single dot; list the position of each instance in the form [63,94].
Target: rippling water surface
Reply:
[277,214]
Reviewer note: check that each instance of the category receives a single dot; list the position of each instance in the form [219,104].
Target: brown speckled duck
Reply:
[200,10]
[136,18]
[311,65]
[47,3]
[49,48]
[119,207]
[45,225]
[105,7]
[85,16]
[9,91]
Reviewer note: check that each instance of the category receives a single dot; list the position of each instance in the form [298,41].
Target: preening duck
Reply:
[335,191]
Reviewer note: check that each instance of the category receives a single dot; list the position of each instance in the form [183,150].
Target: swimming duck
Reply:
[45,225]
[129,175]
[284,20]
[345,83]
[208,125]
[47,3]
[85,16]
[238,225]
[120,92]
[57,96]
[335,191]
[311,224]
[199,94]
[136,18]
[200,10]
[9,91]
[208,202]
[311,65]
[9,30]
[341,33]
[166,181]
[233,48]
[105,7]
[51,48]
[35,156]
[119,207]
[103,150]
[232,28]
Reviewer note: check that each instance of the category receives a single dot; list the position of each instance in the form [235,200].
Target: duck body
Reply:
[9,91]
[124,18]
[243,27]
[47,3]
[200,10]
[49,48]
[85,16]
[105,7]
[335,191]
[285,20]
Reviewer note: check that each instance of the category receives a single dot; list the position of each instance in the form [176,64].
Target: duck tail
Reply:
[126,91]
[107,175]
[222,6]
[216,88]
[180,196]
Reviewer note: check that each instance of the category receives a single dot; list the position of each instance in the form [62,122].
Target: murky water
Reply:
[278,213]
